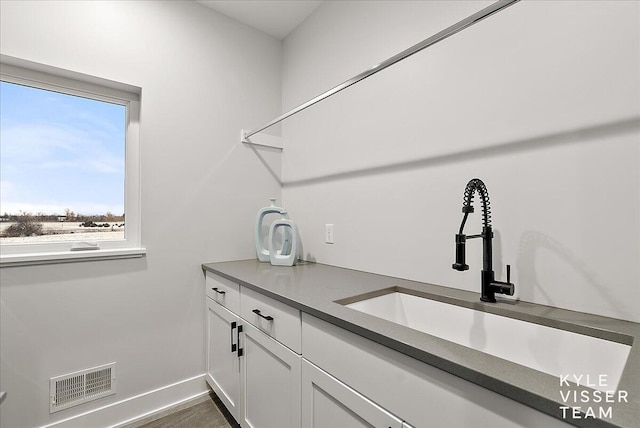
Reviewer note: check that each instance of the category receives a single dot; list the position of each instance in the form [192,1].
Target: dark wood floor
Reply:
[206,414]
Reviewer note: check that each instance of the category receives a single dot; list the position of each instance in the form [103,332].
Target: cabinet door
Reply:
[329,403]
[270,381]
[223,364]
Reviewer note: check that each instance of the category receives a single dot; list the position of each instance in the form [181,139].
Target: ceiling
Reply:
[275,17]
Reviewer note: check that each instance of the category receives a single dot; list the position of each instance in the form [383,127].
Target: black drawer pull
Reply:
[218,291]
[233,345]
[267,317]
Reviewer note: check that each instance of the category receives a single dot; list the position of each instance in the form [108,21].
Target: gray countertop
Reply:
[314,288]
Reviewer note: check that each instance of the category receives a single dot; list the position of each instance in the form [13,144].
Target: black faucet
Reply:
[489,285]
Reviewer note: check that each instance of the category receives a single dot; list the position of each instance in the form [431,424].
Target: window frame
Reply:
[27,73]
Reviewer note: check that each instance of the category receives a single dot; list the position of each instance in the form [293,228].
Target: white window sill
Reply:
[69,256]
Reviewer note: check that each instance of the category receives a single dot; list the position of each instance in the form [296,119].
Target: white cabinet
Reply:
[223,364]
[329,403]
[270,379]
[256,377]
[274,367]
[418,393]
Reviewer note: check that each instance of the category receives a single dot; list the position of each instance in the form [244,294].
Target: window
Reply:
[69,166]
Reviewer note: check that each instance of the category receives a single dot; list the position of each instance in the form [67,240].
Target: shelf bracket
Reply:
[262,140]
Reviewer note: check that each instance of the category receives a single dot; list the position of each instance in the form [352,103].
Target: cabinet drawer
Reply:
[223,291]
[277,319]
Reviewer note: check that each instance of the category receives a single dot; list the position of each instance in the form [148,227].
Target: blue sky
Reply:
[60,151]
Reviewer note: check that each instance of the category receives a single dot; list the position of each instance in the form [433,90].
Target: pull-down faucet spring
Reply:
[489,285]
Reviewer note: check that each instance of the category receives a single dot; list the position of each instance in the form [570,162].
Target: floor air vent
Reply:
[81,387]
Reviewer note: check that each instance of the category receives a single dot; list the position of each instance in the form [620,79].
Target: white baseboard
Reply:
[141,406]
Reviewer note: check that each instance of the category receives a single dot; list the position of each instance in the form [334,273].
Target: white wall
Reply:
[203,78]
[541,101]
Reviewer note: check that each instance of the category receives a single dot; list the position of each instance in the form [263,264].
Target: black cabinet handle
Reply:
[233,345]
[218,291]
[266,317]
[240,350]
